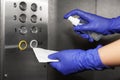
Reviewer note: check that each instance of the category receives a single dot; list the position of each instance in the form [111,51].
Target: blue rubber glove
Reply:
[71,61]
[85,36]
[95,23]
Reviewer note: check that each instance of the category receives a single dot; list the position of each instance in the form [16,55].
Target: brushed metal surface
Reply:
[22,65]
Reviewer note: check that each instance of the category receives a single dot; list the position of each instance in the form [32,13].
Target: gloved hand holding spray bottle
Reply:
[93,26]
[93,35]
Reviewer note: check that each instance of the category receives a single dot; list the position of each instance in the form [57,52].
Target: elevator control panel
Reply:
[24,26]
[26,20]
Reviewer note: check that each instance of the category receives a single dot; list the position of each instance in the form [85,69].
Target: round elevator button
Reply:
[34,44]
[22,45]
[34,7]
[23,30]
[23,6]
[34,18]
[34,29]
[22,18]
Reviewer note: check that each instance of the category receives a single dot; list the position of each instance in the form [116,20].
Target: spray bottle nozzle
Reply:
[76,22]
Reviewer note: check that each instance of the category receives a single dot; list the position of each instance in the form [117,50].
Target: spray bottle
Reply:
[76,21]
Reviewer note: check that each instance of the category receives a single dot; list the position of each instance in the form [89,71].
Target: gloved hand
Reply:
[85,35]
[95,23]
[71,61]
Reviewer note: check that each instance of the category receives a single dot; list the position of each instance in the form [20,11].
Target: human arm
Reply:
[94,23]
[110,54]
[99,58]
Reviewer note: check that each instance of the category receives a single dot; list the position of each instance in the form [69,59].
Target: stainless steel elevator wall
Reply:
[21,22]
[61,36]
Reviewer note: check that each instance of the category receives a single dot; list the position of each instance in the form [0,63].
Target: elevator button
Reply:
[23,6]
[22,18]
[22,45]
[34,7]
[34,29]
[34,44]
[23,30]
[34,18]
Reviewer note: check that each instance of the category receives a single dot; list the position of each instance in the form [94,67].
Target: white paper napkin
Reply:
[42,55]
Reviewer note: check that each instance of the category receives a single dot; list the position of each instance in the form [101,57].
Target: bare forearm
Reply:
[110,54]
